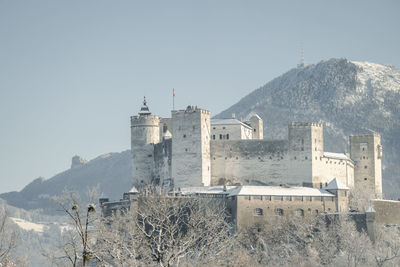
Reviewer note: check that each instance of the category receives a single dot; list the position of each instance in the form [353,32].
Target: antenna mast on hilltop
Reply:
[302,63]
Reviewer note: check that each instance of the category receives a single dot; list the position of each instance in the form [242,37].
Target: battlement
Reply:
[190,109]
[148,120]
[365,135]
[305,124]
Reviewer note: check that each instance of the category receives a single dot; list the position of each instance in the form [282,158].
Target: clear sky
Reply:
[73,72]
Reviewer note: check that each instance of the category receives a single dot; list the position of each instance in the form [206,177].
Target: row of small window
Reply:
[214,128]
[280,212]
[289,198]
[221,136]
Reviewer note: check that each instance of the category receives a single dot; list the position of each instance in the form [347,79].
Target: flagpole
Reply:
[173,99]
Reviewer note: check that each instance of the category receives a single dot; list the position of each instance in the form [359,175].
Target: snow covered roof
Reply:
[278,191]
[133,190]
[228,122]
[336,155]
[248,117]
[336,184]
[205,190]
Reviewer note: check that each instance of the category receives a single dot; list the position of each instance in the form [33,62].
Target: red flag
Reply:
[173,92]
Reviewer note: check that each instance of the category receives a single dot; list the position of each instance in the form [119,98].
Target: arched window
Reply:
[279,212]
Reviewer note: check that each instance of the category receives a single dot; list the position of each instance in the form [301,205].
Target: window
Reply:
[365,167]
[279,212]
[258,212]
[194,127]
[316,212]
[213,128]
[365,179]
[186,149]
[306,157]
[257,197]
[254,130]
[267,197]
[298,198]
[213,137]
[318,198]
[300,212]
[247,197]
[278,198]
[288,198]
[184,136]
[223,128]
[307,198]
[227,136]
[220,136]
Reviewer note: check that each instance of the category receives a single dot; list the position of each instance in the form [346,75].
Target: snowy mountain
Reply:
[348,97]
[111,172]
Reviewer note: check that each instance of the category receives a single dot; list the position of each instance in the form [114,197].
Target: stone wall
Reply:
[257,162]
[246,212]
[191,147]
[386,211]
[162,162]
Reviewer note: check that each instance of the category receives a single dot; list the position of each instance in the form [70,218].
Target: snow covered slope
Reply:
[349,97]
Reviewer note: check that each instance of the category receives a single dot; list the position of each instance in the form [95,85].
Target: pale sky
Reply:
[73,72]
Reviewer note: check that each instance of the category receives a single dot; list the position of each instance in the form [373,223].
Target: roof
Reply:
[133,190]
[205,190]
[228,122]
[278,191]
[336,155]
[335,184]
[256,190]
[251,115]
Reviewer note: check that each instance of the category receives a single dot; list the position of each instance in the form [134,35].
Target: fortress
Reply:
[192,155]
[192,150]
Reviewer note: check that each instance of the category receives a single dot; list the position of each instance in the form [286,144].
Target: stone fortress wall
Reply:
[190,149]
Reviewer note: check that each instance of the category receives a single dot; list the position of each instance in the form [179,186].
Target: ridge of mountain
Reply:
[111,173]
[347,96]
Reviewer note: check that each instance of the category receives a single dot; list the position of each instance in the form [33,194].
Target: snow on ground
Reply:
[382,77]
[28,226]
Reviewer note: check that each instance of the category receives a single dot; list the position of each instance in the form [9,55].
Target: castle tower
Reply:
[306,146]
[144,134]
[366,152]
[191,164]
[257,124]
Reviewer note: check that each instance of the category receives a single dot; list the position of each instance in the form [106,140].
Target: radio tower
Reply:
[302,63]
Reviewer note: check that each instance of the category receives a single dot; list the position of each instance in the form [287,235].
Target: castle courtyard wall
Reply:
[257,162]
[245,214]
[386,211]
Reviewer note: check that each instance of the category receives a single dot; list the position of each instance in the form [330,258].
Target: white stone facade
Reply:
[189,149]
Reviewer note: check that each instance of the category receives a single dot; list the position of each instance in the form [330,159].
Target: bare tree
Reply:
[354,247]
[387,246]
[78,243]
[166,231]
[8,240]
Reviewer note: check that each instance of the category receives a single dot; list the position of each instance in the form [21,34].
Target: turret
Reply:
[145,133]
[191,165]
[257,124]
[366,152]
[306,146]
